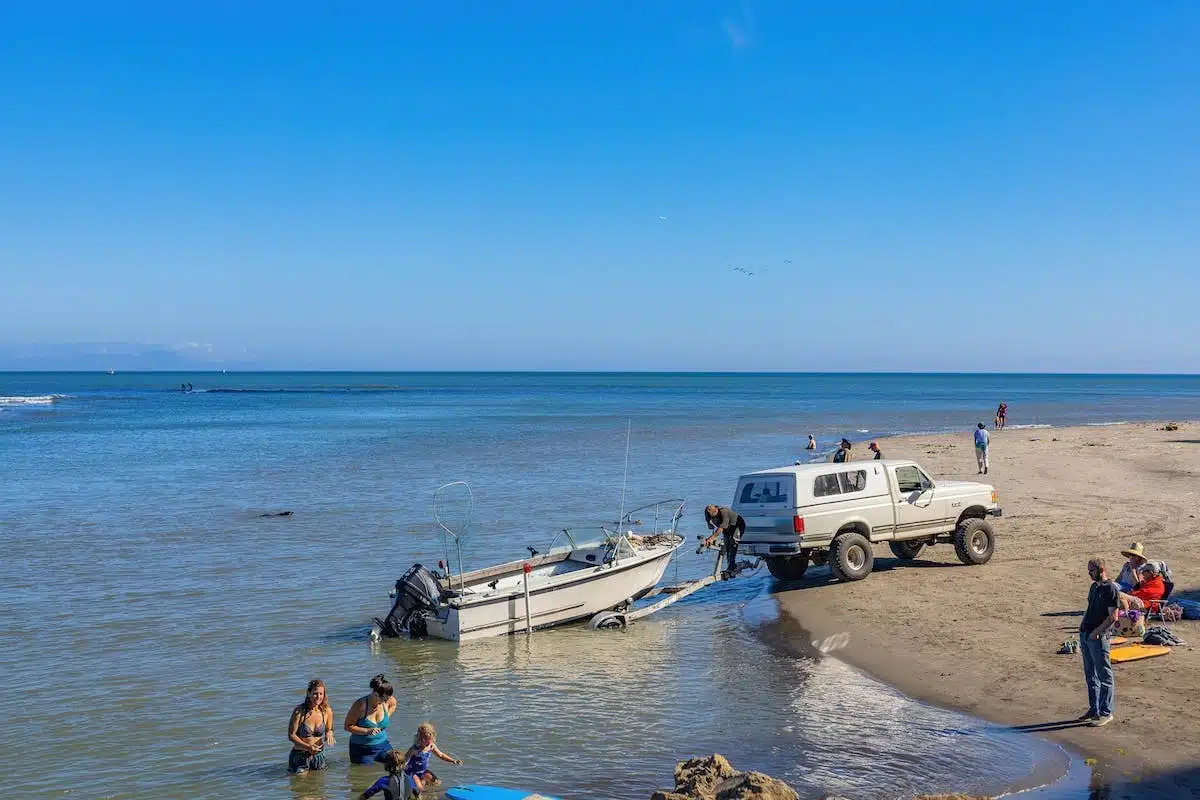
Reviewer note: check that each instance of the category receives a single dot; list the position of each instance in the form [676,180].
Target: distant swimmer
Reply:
[812,443]
[190,388]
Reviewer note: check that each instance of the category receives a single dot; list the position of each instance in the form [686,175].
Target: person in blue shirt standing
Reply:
[982,442]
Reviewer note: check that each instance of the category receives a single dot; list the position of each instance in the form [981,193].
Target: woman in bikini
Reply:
[367,722]
[310,730]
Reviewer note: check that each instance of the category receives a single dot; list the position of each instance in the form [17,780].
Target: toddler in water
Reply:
[416,764]
[410,768]
[391,784]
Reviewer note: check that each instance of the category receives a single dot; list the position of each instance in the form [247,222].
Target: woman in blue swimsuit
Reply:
[368,720]
[310,729]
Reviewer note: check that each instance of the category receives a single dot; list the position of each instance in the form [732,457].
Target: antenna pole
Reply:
[624,480]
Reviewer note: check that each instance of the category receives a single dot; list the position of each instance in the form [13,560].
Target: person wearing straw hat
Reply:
[1136,555]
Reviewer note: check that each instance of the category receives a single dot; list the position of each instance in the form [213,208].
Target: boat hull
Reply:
[578,596]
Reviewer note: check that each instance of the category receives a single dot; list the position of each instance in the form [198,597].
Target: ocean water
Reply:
[157,631]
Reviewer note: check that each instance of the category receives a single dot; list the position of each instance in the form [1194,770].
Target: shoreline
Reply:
[982,640]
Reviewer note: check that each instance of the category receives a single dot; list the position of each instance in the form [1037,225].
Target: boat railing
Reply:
[662,516]
[667,513]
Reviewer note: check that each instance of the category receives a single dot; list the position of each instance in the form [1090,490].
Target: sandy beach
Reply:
[983,639]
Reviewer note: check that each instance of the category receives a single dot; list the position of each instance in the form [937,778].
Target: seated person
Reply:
[1136,556]
[1151,587]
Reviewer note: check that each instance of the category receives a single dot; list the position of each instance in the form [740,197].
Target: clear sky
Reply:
[931,186]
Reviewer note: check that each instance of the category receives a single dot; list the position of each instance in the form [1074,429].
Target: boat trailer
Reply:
[674,592]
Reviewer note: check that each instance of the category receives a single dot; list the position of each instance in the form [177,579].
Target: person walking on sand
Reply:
[812,443]
[1095,640]
[843,452]
[1001,413]
[874,448]
[982,442]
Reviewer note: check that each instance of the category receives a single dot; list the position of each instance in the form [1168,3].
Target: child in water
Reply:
[416,765]
[391,784]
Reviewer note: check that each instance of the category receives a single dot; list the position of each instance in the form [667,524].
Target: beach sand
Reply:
[983,639]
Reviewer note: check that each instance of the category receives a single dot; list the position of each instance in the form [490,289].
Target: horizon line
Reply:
[730,373]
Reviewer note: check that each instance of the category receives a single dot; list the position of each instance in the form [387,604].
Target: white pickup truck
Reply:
[833,513]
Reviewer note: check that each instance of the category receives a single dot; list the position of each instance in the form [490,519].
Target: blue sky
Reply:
[549,185]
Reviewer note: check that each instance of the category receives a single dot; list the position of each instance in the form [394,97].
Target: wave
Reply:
[1105,424]
[30,400]
[1025,427]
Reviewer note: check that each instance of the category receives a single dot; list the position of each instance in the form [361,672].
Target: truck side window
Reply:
[908,479]
[853,481]
[747,494]
[926,481]
[826,485]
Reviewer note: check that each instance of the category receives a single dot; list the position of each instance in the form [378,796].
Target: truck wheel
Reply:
[851,557]
[906,550]
[974,541]
[789,568]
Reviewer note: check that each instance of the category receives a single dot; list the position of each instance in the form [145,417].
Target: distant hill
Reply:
[120,356]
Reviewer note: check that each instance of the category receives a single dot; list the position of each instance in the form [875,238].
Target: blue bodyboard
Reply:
[474,792]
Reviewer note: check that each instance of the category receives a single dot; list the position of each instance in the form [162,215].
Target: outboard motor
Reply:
[417,593]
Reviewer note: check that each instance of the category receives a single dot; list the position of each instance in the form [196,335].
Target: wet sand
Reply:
[983,639]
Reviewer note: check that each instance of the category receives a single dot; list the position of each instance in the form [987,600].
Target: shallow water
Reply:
[157,631]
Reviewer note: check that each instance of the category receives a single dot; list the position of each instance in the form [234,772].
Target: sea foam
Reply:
[30,400]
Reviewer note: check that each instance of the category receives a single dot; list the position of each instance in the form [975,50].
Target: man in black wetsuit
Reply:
[726,522]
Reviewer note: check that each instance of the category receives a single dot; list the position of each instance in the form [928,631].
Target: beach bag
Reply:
[1131,623]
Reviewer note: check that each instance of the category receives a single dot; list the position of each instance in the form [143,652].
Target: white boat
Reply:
[581,574]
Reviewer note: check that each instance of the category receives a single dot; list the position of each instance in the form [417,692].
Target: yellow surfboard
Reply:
[1136,652]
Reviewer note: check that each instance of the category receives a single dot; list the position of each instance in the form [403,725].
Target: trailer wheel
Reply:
[608,621]
[974,541]
[906,550]
[788,568]
[851,557]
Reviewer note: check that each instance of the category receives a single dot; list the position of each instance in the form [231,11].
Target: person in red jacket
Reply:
[1150,584]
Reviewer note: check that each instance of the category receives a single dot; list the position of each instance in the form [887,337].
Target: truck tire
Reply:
[974,541]
[788,568]
[906,550]
[851,557]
